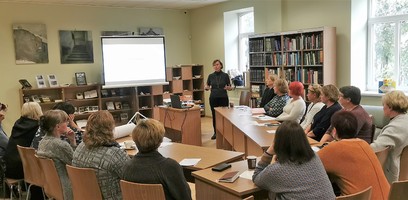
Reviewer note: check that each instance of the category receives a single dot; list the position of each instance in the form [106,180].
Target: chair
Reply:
[382,156]
[363,195]
[140,191]
[399,190]
[11,183]
[373,127]
[33,173]
[249,198]
[245,98]
[84,183]
[52,184]
[403,174]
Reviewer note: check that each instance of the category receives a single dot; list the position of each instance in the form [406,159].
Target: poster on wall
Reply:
[30,43]
[76,47]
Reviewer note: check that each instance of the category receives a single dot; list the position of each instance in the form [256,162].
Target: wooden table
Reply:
[187,122]
[207,186]
[235,131]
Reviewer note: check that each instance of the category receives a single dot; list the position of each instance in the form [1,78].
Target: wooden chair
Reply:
[249,198]
[382,156]
[245,98]
[399,190]
[52,185]
[403,174]
[11,183]
[373,127]
[140,191]
[33,174]
[363,195]
[84,183]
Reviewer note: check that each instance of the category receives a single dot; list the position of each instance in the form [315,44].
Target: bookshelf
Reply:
[307,55]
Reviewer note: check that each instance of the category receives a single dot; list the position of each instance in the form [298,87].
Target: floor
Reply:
[206,132]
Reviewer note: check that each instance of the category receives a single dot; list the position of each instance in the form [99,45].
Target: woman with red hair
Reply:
[296,106]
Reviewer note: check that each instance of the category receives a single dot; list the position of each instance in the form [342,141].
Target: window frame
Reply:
[243,66]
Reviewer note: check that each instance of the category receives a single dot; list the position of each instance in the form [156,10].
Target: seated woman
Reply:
[275,106]
[101,152]
[394,134]
[70,110]
[350,162]
[268,93]
[150,167]
[296,106]
[55,123]
[315,105]
[297,172]
[22,134]
[321,121]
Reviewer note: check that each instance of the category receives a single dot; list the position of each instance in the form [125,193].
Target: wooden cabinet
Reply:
[307,55]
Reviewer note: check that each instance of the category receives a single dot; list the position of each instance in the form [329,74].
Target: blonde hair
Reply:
[282,86]
[331,92]
[315,89]
[99,129]
[396,100]
[148,135]
[273,77]
[51,119]
[31,110]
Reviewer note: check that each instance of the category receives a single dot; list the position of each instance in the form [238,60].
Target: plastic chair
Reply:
[245,98]
[33,173]
[52,184]
[140,191]
[403,174]
[363,195]
[382,156]
[399,190]
[84,183]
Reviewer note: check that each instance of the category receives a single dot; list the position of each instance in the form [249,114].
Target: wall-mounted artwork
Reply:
[116,33]
[30,43]
[150,31]
[76,47]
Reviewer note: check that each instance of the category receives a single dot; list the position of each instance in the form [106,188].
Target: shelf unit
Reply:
[307,55]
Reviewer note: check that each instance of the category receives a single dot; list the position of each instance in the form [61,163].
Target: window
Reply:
[238,25]
[387,43]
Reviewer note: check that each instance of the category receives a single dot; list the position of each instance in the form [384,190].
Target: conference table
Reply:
[239,130]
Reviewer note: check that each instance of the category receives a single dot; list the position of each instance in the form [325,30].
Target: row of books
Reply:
[277,59]
[313,58]
[293,43]
[257,75]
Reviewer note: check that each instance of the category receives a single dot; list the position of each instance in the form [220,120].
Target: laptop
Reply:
[176,103]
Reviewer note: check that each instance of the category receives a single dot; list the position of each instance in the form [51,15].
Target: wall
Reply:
[176,26]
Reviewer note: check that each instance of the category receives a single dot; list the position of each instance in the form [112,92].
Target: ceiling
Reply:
[151,4]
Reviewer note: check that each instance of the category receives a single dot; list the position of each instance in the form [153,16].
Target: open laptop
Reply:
[176,103]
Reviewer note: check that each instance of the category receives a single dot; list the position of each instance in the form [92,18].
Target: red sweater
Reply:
[353,166]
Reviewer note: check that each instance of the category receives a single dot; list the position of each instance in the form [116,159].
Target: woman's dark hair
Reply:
[65,106]
[345,123]
[351,92]
[291,144]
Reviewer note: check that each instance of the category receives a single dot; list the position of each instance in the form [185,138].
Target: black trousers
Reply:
[217,102]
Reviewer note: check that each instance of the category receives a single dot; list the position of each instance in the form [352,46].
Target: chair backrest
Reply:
[140,191]
[363,195]
[373,127]
[52,186]
[382,156]
[403,174]
[399,190]
[249,198]
[33,173]
[84,183]
[245,98]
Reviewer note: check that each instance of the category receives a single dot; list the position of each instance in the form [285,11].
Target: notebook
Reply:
[175,102]
[229,177]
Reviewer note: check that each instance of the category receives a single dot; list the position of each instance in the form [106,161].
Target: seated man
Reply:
[69,109]
[349,98]
[350,162]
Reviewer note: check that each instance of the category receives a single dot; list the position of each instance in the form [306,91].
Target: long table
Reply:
[235,131]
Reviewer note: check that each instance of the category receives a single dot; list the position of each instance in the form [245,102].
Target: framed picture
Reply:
[80,78]
[118,105]
[25,84]
[40,81]
[52,80]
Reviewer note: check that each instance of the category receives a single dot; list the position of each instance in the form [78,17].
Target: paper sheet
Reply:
[271,131]
[264,117]
[315,149]
[258,110]
[247,174]
[189,161]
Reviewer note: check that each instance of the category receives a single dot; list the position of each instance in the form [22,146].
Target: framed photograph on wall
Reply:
[80,78]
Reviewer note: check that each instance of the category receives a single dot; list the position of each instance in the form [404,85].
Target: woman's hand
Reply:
[207,87]
[71,121]
[70,134]
[228,87]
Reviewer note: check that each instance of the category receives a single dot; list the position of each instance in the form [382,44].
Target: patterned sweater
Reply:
[294,181]
[275,106]
[61,152]
[108,161]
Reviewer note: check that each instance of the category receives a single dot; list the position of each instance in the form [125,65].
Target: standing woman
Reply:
[3,135]
[268,93]
[218,82]
[395,133]
[55,124]
[315,105]
[22,134]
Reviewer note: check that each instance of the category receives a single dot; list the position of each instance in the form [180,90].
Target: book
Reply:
[110,106]
[229,177]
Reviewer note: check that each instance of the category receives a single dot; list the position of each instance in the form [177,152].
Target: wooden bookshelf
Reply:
[307,55]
